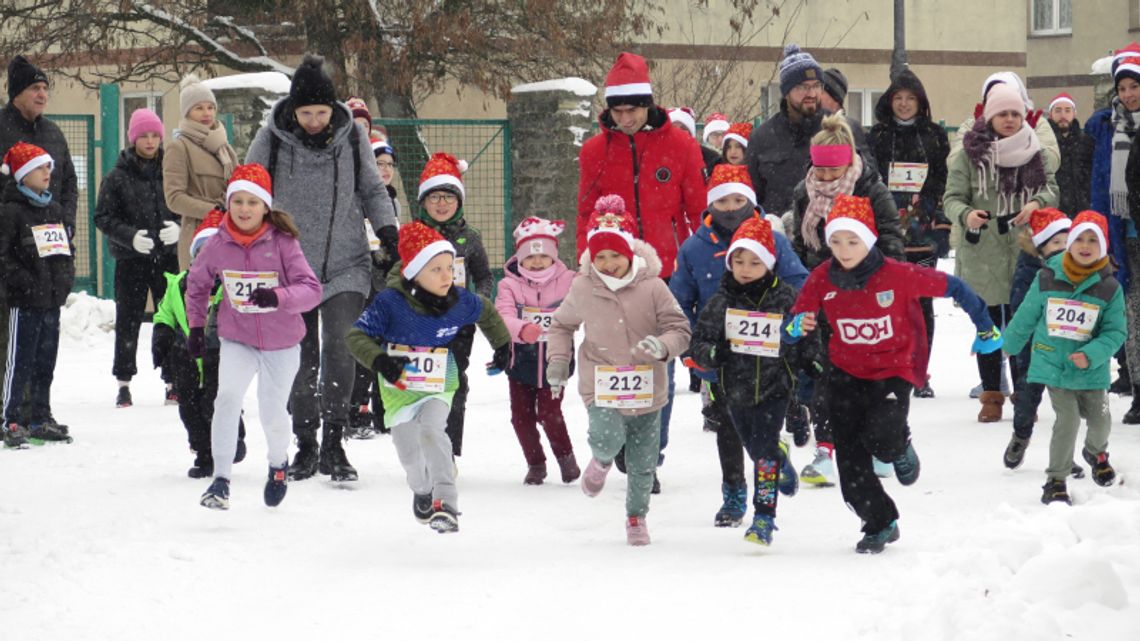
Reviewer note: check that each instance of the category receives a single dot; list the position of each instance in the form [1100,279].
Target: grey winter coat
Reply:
[317,187]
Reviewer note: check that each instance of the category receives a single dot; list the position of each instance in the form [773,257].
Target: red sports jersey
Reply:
[877,332]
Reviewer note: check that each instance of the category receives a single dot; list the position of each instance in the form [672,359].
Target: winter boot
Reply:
[1055,491]
[1102,471]
[48,431]
[991,407]
[734,507]
[276,486]
[907,465]
[875,542]
[203,465]
[535,474]
[304,463]
[123,399]
[333,460]
[16,437]
[1123,383]
[821,470]
[568,465]
[924,391]
[656,489]
[636,532]
[444,518]
[882,469]
[421,507]
[594,478]
[798,422]
[789,482]
[760,532]
[1132,416]
[1015,452]
[217,497]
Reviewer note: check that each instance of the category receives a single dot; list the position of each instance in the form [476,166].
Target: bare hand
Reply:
[977,218]
[808,323]
[1023,216]
[1080,360]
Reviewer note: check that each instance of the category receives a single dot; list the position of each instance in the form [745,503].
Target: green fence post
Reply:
[108,140]
[228,123]
[508,216]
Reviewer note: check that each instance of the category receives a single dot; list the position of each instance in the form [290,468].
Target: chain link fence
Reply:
[79,130]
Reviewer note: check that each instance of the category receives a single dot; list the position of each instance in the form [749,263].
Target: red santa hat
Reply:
[740,132]
[853,214]
[381,146]
[1046,223]
[730,179]
[627,83]
[252,178]
[1090,220]
[419,244]
[611,227]
[22,158]
[359,110]
[1062,98]
[755,235]
[206,230]
[685,116]
[537,236]
[443,171]
[1126,63]
[715,123]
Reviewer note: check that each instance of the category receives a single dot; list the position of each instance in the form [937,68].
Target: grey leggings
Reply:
[323,385]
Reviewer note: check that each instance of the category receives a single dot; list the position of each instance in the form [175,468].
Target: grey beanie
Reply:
[194,92]
[835,84]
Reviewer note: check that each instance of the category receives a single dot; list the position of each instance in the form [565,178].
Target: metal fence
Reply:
[80,133]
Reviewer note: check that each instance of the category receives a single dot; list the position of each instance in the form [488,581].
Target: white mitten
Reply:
[169,233]
[654,347]
[141,242]
[556,374]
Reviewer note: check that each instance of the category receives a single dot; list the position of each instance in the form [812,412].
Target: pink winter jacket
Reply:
[616,321]
[298,289]
[528,362]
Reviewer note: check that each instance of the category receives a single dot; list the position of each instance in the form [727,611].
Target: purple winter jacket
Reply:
[298,289]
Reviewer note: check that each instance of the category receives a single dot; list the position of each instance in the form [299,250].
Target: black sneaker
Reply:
[16,437]
[444,518]
[203,467]
[1015,452]
[48,432]
[334,462]
[123,399]
[217,496]
[304,463]
[422,507]
[1102,472]
[1077,471]
[798,422]
[924,391]
[907,466]
[360,422]
[656,489]
[1055,491]
[276,486]
[875,542]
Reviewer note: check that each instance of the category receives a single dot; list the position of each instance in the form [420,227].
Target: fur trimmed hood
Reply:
[640,248]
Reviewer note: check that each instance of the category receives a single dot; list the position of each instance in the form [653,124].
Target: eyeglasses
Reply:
[386,165]
[442,197]
[808,87]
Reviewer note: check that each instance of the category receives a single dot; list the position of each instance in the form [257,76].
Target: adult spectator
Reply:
[1074,176]
[324,173]
[779,150]
[197,163]
[834,96]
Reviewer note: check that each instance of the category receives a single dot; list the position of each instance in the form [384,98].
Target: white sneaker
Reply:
[821,471]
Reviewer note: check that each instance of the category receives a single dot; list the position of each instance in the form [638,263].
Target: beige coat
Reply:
[194,183]
[615,322]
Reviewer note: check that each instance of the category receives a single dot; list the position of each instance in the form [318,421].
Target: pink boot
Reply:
[636,532]
[595,477]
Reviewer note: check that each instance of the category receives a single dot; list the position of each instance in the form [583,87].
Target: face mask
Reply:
[730,220]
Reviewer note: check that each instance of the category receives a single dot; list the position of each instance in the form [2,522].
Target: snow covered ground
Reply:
[104,538]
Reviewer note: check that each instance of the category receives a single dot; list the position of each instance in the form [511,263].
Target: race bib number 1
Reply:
[753,333]
[239,286]
[1071,319]
[907,177]
[51,240]
[431,366]
[540,317]
[625,387]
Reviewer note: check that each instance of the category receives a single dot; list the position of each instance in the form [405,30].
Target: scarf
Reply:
[1076,272]
[615,284]
[821,195]
[36,200]
[728,221]
[856,278]
[213,140]
[540,277]
[435,305]
[1014,163]
[905,123]
[1124,129]
[245,239]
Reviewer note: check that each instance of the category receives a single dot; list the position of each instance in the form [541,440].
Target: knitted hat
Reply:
[755,235]
[381,146]
[144,121]
[610,230]
[627,83]
[206,230]
[730,179]
[835,84]
[1090,220]
[360,110]
[1046,223]
[443,172]
[311,85]
[252,178]
[1062,98]
[537,236]
[853,214]
[796,67]
[21,75]
[684,115]
[419,244]
[1002,98]
[194,92]
[740,132]
[715,123]
[22,158]
[1126,63]
[1008,78]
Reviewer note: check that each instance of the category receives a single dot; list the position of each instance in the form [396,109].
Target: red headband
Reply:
[830,155]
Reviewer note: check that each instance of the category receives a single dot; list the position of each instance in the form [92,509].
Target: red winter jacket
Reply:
[659,173]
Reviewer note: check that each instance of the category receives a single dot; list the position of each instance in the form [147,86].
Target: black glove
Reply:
[500,361]
[389,239]
[196,342]
[390,367]
[263,297]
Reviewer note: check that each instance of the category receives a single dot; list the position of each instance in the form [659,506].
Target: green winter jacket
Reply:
[1050,364]
[172,309]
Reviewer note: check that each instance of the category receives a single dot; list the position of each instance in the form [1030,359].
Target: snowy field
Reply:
[104,538]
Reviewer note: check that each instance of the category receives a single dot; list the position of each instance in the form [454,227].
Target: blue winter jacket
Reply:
[1100,128]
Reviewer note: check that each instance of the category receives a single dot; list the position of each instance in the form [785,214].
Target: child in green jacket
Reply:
[1074,312]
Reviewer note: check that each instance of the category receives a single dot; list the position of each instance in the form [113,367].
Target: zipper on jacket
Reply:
[636,187]
[332,219]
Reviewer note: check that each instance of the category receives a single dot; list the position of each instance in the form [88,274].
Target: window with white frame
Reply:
[1051,17]
[129,103]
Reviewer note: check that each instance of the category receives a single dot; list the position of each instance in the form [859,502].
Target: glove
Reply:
[688,361]
[389,240]
[264,297]
[391,368]
[169,233]
[530,333]
[988,341]
[141,242]
[196,342]
[653,346]
[500,361]
[556,374]
[795,328]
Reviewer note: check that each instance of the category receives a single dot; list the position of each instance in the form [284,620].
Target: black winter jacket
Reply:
[1074,176]
[924,141]
[33,282]
[131,198]
[47,135]
[468,246]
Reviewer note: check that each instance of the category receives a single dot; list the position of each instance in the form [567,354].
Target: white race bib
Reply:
[431,363]
[753,333]
[540,317]
[239,286]
[373,240]
[51,240]
[907,176]
[459,273]
[625,387]
[1071,319]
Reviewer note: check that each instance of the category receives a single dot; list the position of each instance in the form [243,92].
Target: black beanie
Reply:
[21,75]
[835,84]
[311,85]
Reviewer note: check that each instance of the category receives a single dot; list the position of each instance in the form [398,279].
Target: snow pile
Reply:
[576,86]
[273,82]
[87,319]
[1101,66]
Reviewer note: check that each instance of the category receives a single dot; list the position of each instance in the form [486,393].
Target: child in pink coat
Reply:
[533,285]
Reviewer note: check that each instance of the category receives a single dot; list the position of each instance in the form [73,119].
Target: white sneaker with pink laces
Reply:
[636,532]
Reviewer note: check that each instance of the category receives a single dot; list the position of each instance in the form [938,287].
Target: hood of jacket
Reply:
[641,249]
[905,80]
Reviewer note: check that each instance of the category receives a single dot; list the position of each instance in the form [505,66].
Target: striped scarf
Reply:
[1124,130]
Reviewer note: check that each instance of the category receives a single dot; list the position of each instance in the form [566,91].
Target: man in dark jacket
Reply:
[779,150]
[1074,176]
